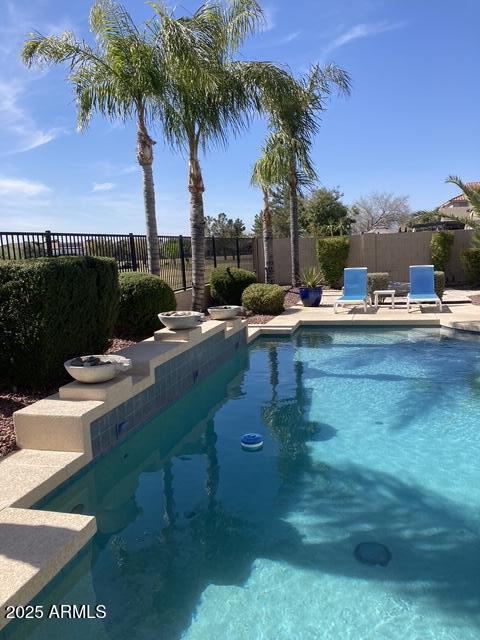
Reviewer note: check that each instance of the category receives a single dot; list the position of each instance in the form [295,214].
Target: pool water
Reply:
[371,436]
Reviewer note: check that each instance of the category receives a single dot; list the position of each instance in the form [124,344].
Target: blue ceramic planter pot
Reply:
[311,297]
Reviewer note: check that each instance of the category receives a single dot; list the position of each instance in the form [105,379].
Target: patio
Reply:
[458,313]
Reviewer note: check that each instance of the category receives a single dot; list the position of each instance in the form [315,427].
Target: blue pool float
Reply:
[252,442]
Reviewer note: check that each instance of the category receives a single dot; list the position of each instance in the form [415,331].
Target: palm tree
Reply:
[211,96]
[473,196]
[262,179]
[294,120]
[120,76]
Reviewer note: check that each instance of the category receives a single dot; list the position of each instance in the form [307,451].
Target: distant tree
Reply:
[423,217]
[238,228]
[280,212]
[223,227]
[380,211]
[325,213]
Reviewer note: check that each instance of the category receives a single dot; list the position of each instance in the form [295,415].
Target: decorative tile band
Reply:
[172,379]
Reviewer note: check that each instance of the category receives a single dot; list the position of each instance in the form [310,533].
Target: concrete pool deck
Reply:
[455,315]
[36,545]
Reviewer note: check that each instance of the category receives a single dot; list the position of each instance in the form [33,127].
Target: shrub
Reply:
[441,249]
[142,298]
[377,282]
[266,299]
[332,256]
[228,283]
[471,263]
[53,309]
[439,283]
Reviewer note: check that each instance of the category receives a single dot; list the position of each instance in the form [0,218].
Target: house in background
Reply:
[458,206]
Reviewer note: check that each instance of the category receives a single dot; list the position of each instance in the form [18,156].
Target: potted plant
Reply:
[311,288]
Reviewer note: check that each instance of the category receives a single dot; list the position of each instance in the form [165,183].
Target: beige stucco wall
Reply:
[184,298]
[390,252]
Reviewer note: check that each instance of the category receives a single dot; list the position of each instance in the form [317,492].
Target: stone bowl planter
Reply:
[175,320]
[92,369]
[225,312]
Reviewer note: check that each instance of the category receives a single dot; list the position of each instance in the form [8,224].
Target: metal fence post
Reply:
[48,242]
[182,262]
[237,244]
[214,253]
[133,251]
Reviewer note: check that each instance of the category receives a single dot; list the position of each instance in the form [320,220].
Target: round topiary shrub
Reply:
[52,309]
[142,297]
[265,299]
[228,283]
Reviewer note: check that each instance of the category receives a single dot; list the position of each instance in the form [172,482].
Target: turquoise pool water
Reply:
[370,436]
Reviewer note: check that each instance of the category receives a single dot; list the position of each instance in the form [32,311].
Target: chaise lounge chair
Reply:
[354,288]
[422,286]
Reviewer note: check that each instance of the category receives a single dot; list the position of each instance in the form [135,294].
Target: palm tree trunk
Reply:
[197,225]
[267,239]
[295,260]
[145,160]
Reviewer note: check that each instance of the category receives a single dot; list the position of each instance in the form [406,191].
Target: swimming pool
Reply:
[371,435]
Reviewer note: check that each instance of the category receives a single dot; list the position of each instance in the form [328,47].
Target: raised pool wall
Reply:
[91,419]
[62,434]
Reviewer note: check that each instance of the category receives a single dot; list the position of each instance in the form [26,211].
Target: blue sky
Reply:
[412,118]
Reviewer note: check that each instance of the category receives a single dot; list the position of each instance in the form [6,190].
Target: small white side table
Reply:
[385,293]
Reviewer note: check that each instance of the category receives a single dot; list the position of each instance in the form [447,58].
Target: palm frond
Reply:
[471,193]
[242,18]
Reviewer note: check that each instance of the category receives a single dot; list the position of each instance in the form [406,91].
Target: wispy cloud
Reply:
[17,123]
[20,187]
[289,37]
[269,13]
[19,131]
[102,186]
[132,168]
[359,31]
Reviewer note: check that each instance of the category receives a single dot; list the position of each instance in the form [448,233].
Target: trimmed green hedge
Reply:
[332,256]
[265,299]
[441,245]
[471,263]
[52,309]
[439,283]
[142,298]
[377,282]
[228,283]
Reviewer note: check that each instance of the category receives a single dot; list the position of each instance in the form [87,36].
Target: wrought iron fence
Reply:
[130,251]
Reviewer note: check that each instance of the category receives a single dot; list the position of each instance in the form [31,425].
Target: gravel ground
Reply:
[119,343]
[10,402]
